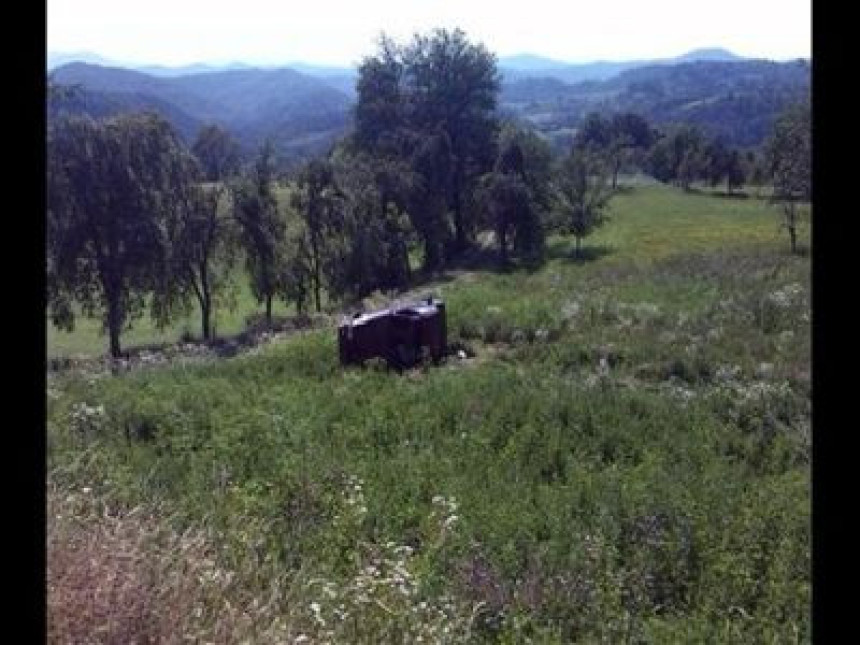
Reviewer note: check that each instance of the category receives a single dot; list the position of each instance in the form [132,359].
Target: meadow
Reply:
[623,456]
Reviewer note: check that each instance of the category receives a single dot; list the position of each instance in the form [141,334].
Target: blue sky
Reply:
[340,32]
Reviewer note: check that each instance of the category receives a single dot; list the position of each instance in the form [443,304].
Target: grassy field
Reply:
[626,458]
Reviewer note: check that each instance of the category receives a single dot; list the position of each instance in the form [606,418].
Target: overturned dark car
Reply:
[402,335]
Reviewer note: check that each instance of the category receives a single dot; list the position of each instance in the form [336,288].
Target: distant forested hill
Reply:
[737,100]
[304,113]
[515,68]
[300,113]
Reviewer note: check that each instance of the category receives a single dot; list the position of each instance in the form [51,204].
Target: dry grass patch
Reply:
[125,577]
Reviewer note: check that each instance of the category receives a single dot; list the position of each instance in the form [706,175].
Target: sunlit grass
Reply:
[625,458]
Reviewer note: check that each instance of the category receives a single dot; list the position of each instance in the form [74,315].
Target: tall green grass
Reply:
[625,459]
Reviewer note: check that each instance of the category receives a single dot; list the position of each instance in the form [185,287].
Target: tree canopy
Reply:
[583,193]
[261,228]
[218,152]
[432,104]
[789,150]
[114,188]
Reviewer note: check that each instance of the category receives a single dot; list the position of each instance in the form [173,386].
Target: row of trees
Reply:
[684,155]
[136,218]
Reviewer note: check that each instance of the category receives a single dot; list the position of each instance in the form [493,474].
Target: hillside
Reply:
[736,100]
[305,112]
[623,456]
[516,68]
[290,107]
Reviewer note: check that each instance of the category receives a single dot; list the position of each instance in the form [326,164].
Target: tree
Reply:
[299,268]
[661,162]
[789,150]
[316,199]
[262,230]
[755,169]
[429,179]
[617,138]
[679,156]
[689,143]
[506,198]
[595,132]
[381,109]
[717,161]
[438,87]
[537,174]
[724,163]
[204,250]
[217,151]
[453,85]
[369,237]
[735,171]
[516,194]
[583,193]
[114,188]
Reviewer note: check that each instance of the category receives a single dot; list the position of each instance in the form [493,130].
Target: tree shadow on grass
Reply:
[803,250]
[624,189]
[563,250]
[483,259]
[736,194]
[222,346]
[715,192]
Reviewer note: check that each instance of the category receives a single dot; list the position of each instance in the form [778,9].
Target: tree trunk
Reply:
[791,225]
[269,310]
[432,257]
[317,289]
[317,281]
[792,228]
[503,245]
[459,225]
[205,302]
[114,325]
[205,312]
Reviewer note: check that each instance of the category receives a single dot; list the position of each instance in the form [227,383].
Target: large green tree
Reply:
[381,109]
[218,152]
[114,188]
[506,198]
[789,151]
[370,234]
[429,176]
[517,194]
[432,104]
[583,193]
[317,200]
[680,156]
[262,229]
[453,85]
[203,251]
[724,164]
[621,139]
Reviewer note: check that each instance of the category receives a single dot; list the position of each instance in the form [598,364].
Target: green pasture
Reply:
[624,456]
[647,223]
